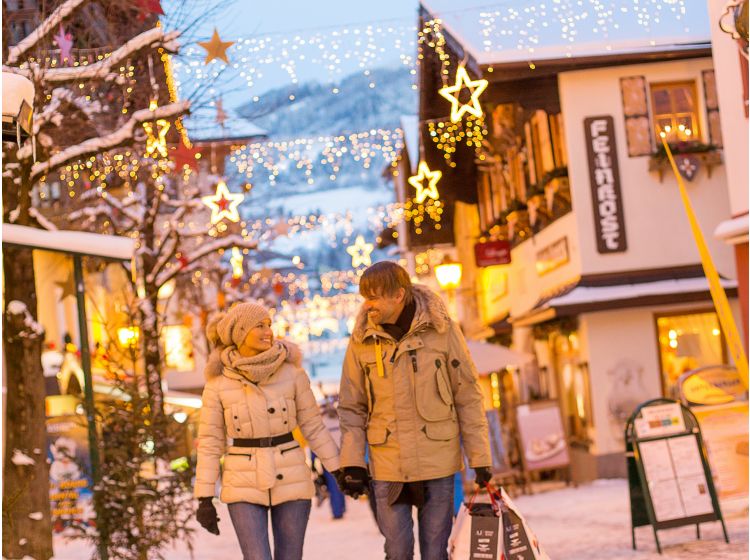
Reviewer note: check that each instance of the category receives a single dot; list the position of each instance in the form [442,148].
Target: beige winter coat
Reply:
[412,416]
[233,407]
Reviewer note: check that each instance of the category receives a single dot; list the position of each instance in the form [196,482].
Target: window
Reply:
[675,110]
[687,342]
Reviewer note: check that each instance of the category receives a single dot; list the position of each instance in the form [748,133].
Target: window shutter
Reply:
[712,108]
[637,121]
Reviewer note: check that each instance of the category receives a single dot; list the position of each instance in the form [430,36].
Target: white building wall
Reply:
[734,123]
[658,234]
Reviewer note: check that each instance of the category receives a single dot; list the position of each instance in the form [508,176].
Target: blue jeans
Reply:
[289,522]
[435,519]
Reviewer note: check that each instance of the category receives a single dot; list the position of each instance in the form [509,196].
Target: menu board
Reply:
[660,420]
[676,479]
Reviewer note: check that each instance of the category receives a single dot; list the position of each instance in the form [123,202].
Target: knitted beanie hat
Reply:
[231,328]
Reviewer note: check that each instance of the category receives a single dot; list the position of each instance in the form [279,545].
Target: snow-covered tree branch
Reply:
[115,139]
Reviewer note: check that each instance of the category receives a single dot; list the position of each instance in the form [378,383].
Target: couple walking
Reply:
[408,394]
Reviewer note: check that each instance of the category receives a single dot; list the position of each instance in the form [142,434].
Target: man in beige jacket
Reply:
[409,392]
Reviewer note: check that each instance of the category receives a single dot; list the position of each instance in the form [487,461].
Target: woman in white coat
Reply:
[256,393]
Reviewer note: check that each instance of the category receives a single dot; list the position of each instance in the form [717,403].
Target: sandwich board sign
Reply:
[668,472]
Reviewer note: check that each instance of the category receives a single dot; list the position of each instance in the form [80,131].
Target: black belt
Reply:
[263,442]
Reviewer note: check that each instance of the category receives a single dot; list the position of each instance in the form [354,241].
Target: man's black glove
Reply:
[206,515]
[483,476]
[353,481]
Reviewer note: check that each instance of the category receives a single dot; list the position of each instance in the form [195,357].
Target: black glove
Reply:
[353,481]
[483,476]
[206,515]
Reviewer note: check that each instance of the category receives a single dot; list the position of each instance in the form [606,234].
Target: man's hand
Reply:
[353,481]
[206,515]
[483,476]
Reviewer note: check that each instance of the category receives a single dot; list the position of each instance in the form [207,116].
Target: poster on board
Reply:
[542,436]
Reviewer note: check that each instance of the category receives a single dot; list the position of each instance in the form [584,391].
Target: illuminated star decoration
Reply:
[452,93]
[65,42]
[223,204]
[417,181]
[148,7]
[216,48]
[67,286]
[236,261]
[360,252]
[156,143]
[182,156]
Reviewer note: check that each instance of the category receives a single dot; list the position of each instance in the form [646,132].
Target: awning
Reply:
[493,357]
[733,230]
[71,242]
[582,298]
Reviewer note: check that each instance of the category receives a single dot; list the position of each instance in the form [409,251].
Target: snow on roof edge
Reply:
[78,242]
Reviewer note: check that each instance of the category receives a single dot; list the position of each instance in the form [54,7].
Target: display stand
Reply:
[668,472]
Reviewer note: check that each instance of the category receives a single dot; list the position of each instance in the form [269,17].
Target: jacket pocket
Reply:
[232,420]
[239,470]
[377,435]
[433,396]
[444,388]
[289,412]
[441,431]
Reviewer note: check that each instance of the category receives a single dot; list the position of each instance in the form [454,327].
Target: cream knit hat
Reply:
[231,328]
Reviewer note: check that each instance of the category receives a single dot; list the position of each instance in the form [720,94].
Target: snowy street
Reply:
[591,522]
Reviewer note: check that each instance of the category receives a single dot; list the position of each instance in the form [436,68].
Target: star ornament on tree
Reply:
[360,252]
[452,94]
[417,181]
[182,156]
[148,7]
[223,204]
[216,48]
[156,142]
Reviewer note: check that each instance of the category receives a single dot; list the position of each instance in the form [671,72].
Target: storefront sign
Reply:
[604,172]
[70,485]
[712,385]
[492,253]
[552,256]
[542,436]
[660,420]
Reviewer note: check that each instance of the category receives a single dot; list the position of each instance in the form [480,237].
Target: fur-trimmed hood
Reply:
[430,311]
[215,367]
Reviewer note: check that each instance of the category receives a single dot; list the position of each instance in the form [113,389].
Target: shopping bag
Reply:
[493,531]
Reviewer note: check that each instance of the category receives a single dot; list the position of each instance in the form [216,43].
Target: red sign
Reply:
[492,252]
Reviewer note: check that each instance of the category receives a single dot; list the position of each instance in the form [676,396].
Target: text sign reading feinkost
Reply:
[604,172]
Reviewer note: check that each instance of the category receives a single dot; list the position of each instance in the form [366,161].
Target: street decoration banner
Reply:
[71,486]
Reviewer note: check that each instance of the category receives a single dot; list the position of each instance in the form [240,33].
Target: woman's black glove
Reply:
[483,476]
[353,481]
[206,515]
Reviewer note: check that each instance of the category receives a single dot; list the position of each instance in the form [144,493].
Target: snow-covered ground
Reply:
[591,522]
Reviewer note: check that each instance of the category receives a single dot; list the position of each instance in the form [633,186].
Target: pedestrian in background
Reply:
[331,422]
[257,393]
[409,392]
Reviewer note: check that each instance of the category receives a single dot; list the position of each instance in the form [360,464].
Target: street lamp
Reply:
[448,275]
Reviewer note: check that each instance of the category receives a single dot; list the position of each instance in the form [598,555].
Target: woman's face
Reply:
[258,339]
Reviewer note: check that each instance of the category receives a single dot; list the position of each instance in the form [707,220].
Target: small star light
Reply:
[223,204]
[156,142]
[417,181]
[451,93]
[216,48]
[360,252]
[236,261]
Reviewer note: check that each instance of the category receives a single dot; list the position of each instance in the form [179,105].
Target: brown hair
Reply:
[385,278]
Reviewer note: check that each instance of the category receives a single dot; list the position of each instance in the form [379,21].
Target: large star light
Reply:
[360,252]
[417,181]
[156,142]
[223,204]
[216,48]
[452,93]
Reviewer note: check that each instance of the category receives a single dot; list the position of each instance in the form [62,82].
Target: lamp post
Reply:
[448,275]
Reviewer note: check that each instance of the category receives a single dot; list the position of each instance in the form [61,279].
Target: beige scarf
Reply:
[258,368]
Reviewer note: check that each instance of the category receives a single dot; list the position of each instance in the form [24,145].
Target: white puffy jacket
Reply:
[233,407]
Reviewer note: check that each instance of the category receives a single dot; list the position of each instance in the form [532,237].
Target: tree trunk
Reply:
[27,529]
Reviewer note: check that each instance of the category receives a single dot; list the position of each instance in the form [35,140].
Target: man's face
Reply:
[385,308]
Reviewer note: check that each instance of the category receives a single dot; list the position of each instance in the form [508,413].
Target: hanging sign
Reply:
[604,172]
[492,253]
[712,385]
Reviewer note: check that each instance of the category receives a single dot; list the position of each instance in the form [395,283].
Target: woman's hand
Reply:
[206,515]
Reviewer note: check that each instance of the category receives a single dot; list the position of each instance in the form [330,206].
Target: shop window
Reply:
[178,347]
[688,342]
[574,386]
[675,110]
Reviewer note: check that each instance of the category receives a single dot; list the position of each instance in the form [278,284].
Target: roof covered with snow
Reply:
[410,126]
[74,242]
[234,128]
[533,30]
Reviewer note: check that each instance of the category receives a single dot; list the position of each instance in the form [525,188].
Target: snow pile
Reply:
[21,459]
